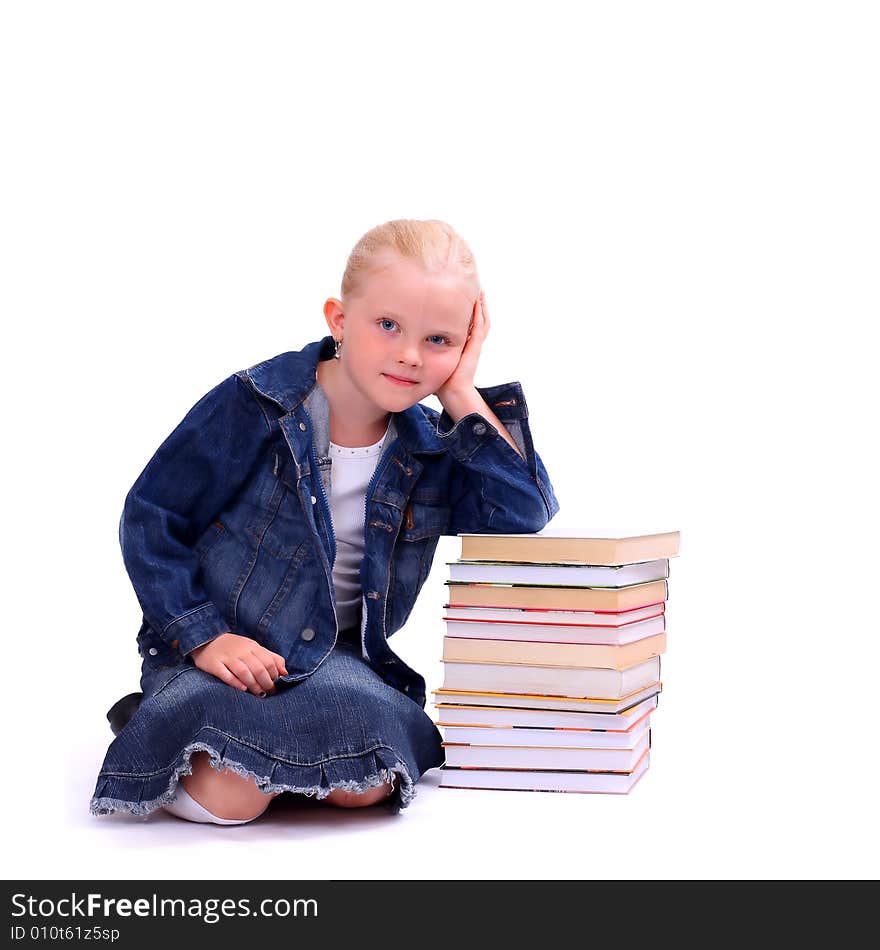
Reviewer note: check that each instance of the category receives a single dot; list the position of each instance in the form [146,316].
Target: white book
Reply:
[593,618]
[508,700]
[535,757]
[547,738]
[524,780]
[567,633]
[570,575]
[588,682]
[452,714]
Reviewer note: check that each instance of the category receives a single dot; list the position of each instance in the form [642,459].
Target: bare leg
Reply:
[225,794]
[344,799]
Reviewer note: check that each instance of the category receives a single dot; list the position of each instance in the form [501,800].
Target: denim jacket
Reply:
[228,527]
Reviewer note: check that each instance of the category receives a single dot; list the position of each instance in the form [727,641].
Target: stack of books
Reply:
[552,659]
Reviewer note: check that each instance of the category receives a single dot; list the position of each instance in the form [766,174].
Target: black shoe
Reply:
[122,710]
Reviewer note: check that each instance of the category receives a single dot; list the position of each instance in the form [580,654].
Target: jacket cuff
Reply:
[195,628]
[471,432]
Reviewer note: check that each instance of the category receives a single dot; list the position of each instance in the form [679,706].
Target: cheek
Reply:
[370,352]
[453,358]
[443,364]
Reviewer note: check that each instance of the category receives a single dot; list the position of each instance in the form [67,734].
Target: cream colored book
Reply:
[561,545]
[613,656]
[592,682]
[466,594]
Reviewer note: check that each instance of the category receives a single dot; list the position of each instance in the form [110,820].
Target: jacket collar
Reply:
[288,379]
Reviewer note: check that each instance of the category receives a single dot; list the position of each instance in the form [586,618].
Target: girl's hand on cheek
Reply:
[461,380]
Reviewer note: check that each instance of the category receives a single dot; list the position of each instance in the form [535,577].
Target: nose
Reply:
[409,353]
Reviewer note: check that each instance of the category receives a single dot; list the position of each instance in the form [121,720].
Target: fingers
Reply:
[247,668]
[222,672]
[480,315]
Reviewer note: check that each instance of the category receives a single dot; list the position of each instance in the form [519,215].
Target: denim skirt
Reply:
[341,727]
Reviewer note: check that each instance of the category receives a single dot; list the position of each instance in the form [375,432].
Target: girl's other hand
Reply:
[241,663]
[462,379]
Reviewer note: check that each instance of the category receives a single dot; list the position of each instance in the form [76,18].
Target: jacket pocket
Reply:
[210,536]
[424,519]
[279,529]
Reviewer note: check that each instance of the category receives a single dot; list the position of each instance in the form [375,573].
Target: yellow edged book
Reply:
[556,597]
[569,546]
[608,656]
[493,700]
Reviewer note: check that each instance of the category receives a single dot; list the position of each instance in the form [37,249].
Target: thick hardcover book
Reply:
[560,545]
[550,597]
[589,682]
[557,633]
[550,703]
[573,575]
[555,759]
[456,715]
[615,656]
[525,780]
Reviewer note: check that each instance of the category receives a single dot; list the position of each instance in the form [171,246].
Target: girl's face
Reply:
[405,324]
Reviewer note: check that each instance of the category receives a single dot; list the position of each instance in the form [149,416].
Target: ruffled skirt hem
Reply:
[142,794]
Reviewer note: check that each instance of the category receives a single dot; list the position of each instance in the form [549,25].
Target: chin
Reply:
[394,398]
[389,404]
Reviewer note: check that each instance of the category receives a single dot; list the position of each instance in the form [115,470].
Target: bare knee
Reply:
[225,794]
[344,799]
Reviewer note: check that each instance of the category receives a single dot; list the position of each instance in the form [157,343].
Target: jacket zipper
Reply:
[367,495]
[316,478]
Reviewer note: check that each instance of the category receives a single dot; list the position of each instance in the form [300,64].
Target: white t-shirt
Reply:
[351,471]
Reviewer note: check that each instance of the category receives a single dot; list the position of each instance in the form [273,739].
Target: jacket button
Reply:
[153,651]
[314,500]
[308,634]
[302,426]
[479,428]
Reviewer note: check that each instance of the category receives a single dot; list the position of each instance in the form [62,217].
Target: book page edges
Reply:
[551,698]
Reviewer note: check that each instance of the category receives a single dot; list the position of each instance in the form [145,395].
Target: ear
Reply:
[334,316]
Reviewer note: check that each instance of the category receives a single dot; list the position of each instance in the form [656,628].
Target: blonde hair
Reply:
[434,244]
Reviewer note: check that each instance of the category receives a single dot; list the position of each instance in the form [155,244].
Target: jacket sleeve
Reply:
[188,481]
[494,490]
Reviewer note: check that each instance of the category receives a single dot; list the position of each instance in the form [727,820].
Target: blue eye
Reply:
[441,340]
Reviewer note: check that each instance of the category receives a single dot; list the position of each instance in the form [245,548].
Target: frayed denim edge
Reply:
[402,793]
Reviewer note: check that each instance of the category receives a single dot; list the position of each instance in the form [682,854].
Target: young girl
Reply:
[281,534]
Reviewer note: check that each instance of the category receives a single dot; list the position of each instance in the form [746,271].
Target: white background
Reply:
[674,209]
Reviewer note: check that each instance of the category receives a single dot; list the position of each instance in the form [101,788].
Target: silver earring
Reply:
[338,344]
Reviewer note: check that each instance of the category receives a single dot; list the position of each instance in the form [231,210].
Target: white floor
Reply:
[703,810]
[752,774]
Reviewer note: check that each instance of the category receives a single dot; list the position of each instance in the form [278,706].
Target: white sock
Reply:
[185,806]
